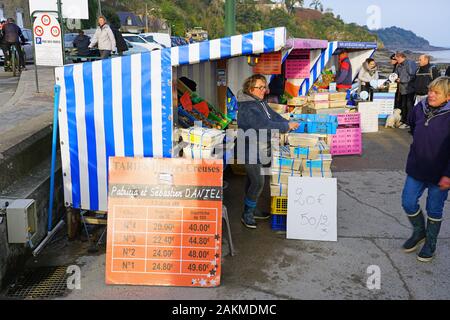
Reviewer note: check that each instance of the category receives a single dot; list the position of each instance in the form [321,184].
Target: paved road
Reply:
[371,229]
[8,85]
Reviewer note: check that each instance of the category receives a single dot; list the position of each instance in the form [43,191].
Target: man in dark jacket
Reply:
[406,71]
[257,120]
[424,76]
[447,73]
[12,36]
[121,44]
[81,43]
[428,167]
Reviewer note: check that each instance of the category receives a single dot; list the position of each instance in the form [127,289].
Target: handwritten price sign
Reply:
[312,209]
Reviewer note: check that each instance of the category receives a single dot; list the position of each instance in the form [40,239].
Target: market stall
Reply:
[125,107]
[358,53]
[302,62]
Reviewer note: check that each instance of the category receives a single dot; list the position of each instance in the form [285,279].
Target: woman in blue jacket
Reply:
[428,167]
[256,122]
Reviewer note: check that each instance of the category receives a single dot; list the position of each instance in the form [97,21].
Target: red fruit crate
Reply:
[347,141]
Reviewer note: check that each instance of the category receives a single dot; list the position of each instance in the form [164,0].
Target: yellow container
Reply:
[279,205]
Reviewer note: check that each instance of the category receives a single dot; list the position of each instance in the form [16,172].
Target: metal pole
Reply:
[34,57]
[60,18]
[146,17]
[54,148]
[99,10]
[230,18]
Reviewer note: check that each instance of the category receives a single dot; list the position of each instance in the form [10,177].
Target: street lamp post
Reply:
[230,18]
[100,8]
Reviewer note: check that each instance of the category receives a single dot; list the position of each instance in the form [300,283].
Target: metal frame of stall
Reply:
[124,107]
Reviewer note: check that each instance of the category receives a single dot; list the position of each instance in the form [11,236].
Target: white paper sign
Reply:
[312,209]
[71,9]
[47,41]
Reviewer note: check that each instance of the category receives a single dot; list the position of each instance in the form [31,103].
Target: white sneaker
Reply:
[404,126]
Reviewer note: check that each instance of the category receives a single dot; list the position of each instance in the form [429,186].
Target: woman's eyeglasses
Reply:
[261,88]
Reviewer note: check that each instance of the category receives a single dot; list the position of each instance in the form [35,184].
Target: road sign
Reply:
[71,9]
[48,40]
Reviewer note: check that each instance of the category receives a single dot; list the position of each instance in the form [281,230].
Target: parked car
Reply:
[178,41]
[134,39]
[162,39]
[68,40]
[134,48]
[27,47]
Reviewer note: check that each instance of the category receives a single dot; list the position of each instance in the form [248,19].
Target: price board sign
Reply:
[164,222]
[298,64]
[312,209]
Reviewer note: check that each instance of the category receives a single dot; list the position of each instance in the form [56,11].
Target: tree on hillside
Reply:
[292,4]
[92,22]
[316,5]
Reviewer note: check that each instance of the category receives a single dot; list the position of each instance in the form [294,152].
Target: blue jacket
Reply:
[429,158]
[256,114]
[407,74]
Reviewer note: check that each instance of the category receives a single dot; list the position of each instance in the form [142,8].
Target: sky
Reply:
[428,19]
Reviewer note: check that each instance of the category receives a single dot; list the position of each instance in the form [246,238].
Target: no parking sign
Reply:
[48,42]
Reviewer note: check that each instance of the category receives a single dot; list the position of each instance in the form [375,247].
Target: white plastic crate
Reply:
[369,116]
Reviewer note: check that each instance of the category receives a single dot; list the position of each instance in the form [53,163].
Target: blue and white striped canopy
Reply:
[265,41]
[123,107]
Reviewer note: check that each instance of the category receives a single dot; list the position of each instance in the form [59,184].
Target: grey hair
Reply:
[441,84]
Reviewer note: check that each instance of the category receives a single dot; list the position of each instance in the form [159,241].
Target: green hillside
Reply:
[395,38]
[209,14]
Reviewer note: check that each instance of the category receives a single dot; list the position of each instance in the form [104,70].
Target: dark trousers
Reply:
[254,185]
[104,54]
[406,105]
[7,52]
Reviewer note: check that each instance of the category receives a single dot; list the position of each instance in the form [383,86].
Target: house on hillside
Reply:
[130,22]
[265,6]
[17,9]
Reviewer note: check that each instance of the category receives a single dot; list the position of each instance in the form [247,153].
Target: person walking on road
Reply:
[256,115]
[424,76]
[120,41]
[103,39]
[12,36]
[406,71]
[428,167]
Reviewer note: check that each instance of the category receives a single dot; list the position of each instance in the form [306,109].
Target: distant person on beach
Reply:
[406,71]
[424,76]
[428,168]
[344,78]
[447,73]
